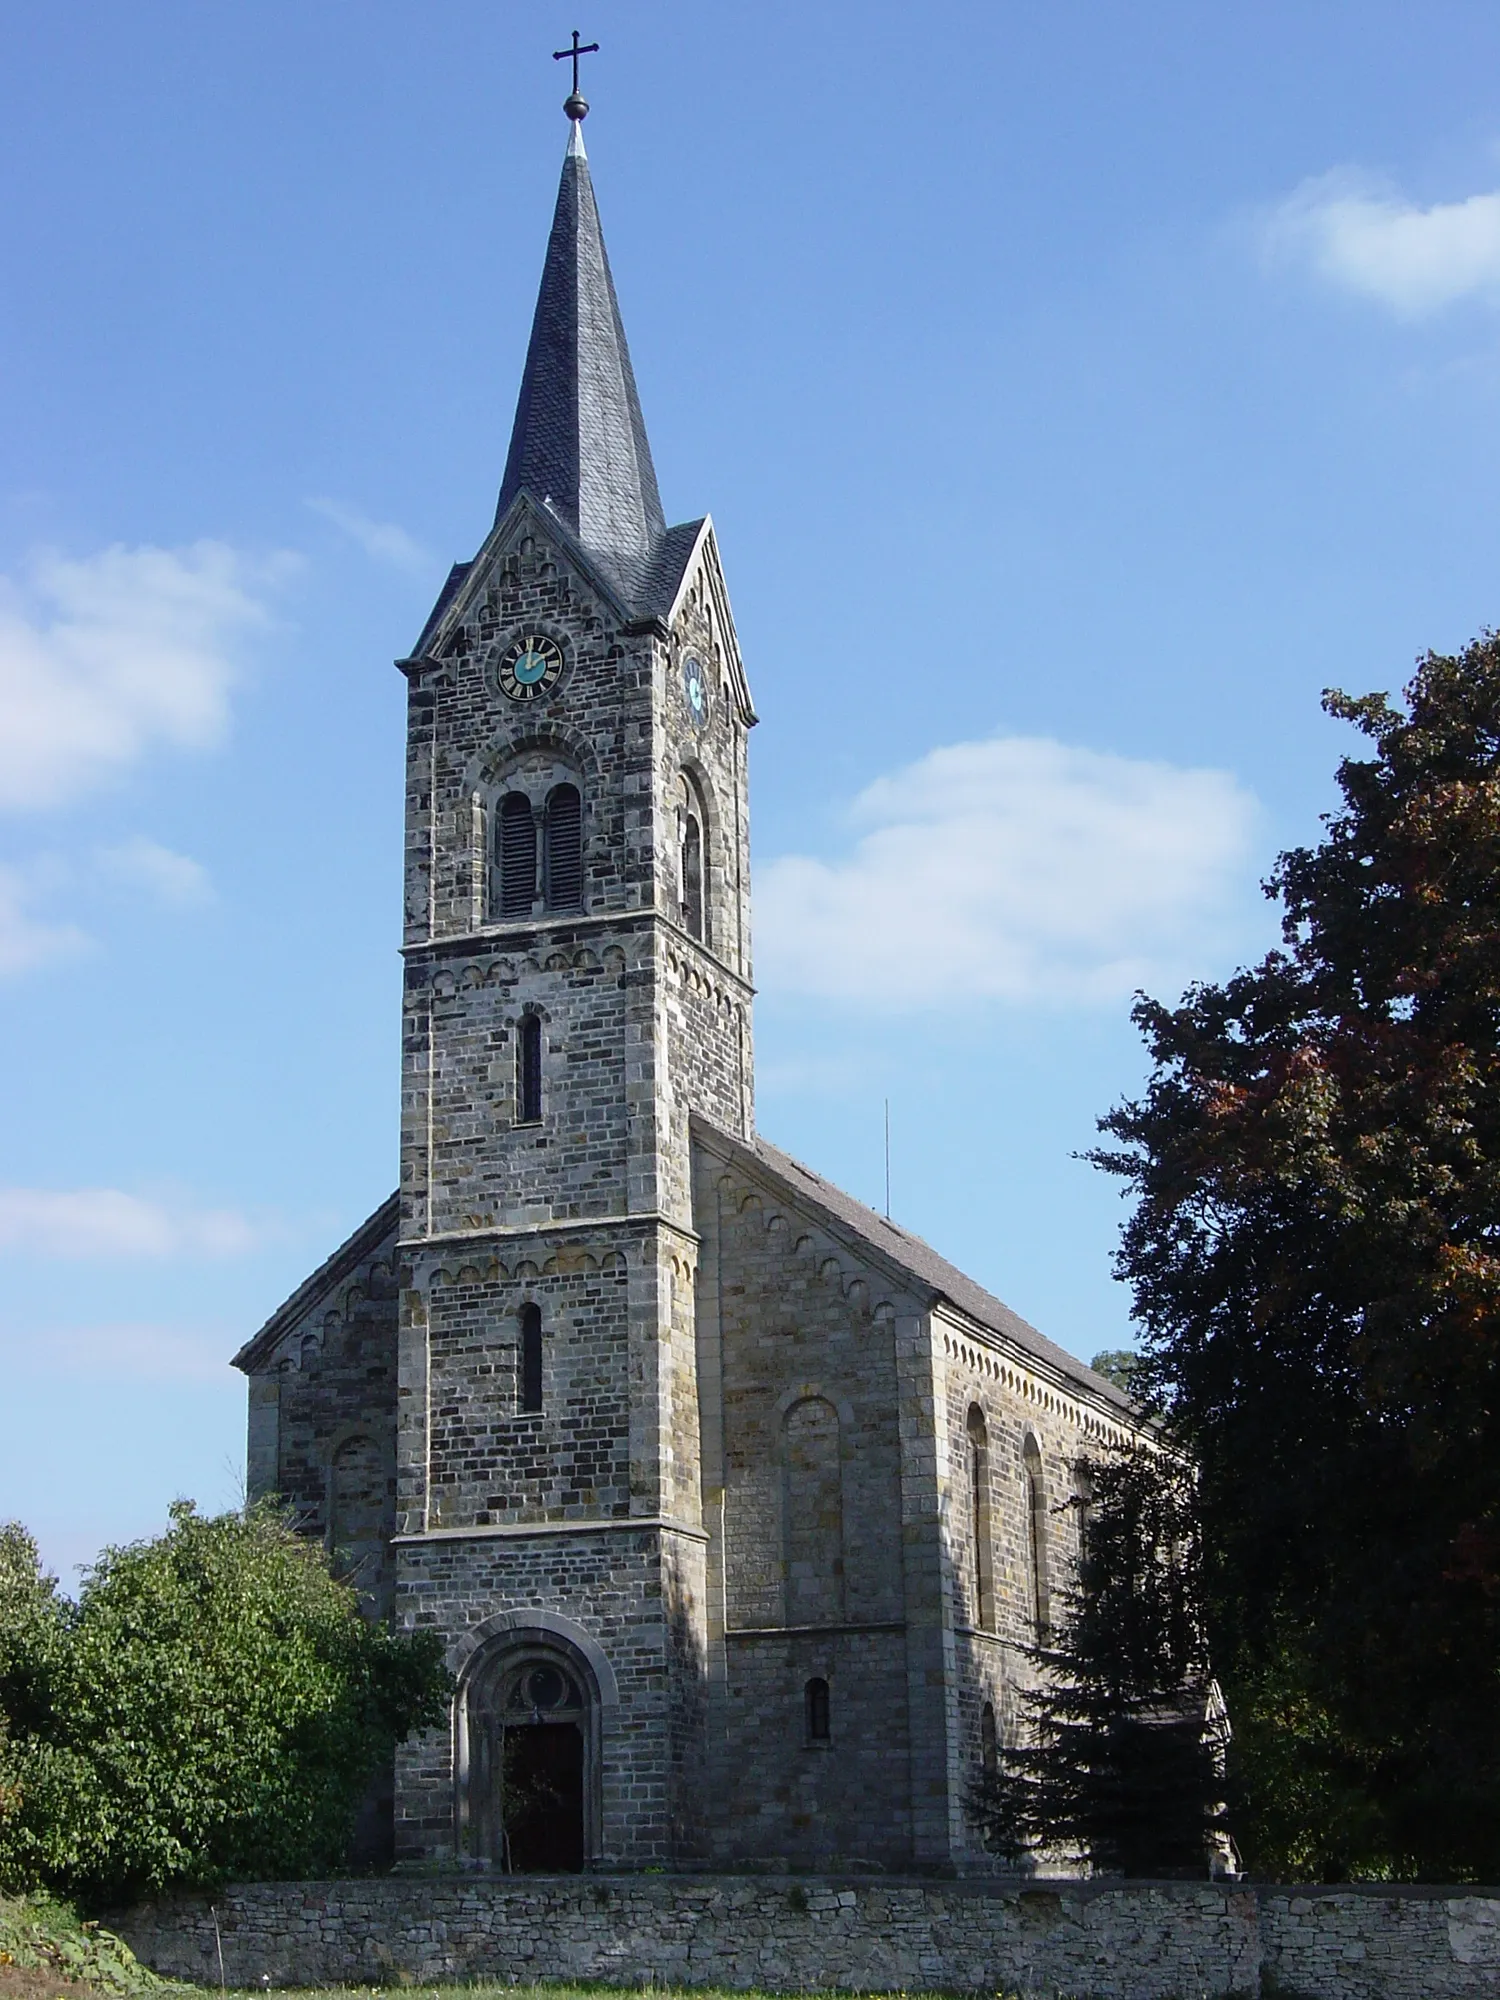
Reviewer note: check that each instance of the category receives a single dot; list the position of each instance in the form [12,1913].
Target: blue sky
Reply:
[1077,390]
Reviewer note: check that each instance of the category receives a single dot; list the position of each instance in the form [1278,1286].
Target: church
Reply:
[735,1505]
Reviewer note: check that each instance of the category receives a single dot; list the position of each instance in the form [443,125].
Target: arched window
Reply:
[563,849]
[815,1710]
[980,1569]
[1036,1533]
[311,1354]
[690,862]
[989,1745]
[358,1523]
[517,856]
[812,1513]
[529,1071]
[531,1357]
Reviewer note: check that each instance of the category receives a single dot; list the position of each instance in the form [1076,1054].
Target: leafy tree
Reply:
[1120,1758]
[1119,1365]
[1315,1256]
[213,1705]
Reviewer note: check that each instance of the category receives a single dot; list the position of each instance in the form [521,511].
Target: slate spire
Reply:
[579,441]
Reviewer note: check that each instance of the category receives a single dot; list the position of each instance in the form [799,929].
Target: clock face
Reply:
[695,687]
[530,667]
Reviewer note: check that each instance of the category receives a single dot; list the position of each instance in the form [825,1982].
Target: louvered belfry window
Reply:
[517,856]
[529,1071]
[564,849]
[531,1357]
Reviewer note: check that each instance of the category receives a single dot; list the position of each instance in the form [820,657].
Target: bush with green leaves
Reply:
[213,1705]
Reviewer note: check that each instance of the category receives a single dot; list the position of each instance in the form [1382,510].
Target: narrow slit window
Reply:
[1036,1536]
[989,1748]
[564,849]
[815,1702]
[692,873]
[979,1521]
[517,856]
[529,1071]
[531,1357]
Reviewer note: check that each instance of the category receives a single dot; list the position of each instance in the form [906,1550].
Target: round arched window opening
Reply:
[542,1690]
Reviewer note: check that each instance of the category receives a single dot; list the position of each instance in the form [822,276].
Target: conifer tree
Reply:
[1119,1753]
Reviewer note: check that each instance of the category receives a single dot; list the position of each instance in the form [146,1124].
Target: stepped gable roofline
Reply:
[370,1234]
[579,441]
[914,1259]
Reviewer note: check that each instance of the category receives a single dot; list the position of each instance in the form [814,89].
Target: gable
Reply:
[375,1237]
[468,583]
[701,573]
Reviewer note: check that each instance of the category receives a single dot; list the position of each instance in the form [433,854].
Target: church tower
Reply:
[577,987]
[738,1509]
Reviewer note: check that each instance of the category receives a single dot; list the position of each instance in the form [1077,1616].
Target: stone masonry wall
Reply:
[611,1582]
[323,1421]
[488,1460]
[1048,1941]
[809,1540]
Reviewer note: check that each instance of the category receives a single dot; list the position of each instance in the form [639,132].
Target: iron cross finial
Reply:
[576,105]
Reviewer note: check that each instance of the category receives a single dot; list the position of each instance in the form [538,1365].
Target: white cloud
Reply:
[1368,240]
[106,1222]
[103,658]
[126,1352]
[26,941]
[174,879]
[1012,869]
[382,541]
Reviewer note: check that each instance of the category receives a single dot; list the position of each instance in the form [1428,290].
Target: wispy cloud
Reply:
[1363,237]
[1013,869]
[106,657]
[382,541]
[107,1222]
[173,879]
[26,940]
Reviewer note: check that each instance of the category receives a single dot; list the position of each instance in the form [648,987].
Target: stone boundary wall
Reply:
[1082,1940]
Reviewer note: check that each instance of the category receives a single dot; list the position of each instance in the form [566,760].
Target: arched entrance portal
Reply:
[528,1756]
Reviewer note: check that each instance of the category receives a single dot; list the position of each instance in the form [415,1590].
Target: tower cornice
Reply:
[502,938]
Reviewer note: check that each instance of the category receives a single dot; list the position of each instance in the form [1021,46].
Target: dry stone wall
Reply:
[1057,1941]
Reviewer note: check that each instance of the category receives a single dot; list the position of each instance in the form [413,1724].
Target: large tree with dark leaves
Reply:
[1315,1255]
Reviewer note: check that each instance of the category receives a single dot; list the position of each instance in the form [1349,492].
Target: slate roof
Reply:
[916,1259]
[579,443]
[445,597]
[370,1234]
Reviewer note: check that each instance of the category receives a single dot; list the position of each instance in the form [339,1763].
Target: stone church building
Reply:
[734,1503]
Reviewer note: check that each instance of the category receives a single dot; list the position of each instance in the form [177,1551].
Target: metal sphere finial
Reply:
[576,105]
